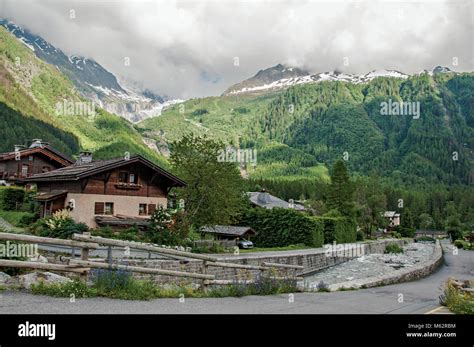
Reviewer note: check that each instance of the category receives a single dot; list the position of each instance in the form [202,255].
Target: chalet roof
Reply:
[50,196]
[78,171]
[44,149]
[121,220]
[391,214]
[266,200]
[228,230]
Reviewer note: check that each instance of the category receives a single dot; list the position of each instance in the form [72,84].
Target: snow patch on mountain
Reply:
[252,84]
[92,80]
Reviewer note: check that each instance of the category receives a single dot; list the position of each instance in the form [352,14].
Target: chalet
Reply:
[121,191]
[393,219]
[265,200]
[21,163]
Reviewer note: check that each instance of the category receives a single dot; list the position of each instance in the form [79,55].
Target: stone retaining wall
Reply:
[311,259]
[409,274]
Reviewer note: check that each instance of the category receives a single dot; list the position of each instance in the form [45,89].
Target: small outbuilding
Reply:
[229,232]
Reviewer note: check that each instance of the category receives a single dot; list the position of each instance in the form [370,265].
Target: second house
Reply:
[115,192]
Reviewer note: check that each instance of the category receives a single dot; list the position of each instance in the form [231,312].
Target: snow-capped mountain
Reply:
[273,78]
[92,80]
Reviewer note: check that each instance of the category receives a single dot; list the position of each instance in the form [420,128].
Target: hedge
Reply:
[279,227]
[339,229]
[11,198]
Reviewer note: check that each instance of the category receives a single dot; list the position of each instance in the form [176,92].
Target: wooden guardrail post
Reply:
[85,257]
[204,271]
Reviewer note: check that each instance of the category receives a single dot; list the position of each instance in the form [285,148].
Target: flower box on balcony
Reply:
[132,186]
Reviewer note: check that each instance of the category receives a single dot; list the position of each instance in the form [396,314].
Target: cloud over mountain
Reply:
[188,49]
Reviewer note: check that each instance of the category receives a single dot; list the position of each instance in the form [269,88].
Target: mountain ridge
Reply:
[274,78]
[30,92]
[92,80]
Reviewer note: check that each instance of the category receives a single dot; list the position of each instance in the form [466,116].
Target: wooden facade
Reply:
[18,165]
[147,183]
[119,187]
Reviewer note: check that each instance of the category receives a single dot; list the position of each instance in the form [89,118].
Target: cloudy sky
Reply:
[189,48]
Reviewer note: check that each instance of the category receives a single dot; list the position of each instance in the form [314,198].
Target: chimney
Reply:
[18,148]
[84,158]
[36,143]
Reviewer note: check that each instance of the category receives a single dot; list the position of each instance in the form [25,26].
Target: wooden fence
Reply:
[87,242]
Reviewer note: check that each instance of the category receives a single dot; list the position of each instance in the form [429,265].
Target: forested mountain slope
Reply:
[330,120]
[302,130]
[31,91]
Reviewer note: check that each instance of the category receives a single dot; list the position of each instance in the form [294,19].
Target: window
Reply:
[123,177]
[24,170]
[133,178]
[104,208]
[142,209]
[99,208]
[151,209]
[109,208]
[30,158]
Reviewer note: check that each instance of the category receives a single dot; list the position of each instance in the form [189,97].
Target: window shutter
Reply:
[99,208]
[151,209]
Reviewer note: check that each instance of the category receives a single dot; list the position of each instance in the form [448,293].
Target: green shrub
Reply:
[280,227]
[108,280]
[455,234]
[106,232]
[339,229]
[11,198]
[129,234]
[393,248]
[167,227]
[59,225]
[360,235]
[120,284]
[406,232]
[397,235]
[457,301]
[27,219]
[462,244]
[262,286]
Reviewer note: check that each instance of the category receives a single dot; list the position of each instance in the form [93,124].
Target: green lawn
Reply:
[14,218]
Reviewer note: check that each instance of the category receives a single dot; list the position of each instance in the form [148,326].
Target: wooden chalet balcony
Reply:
[128,186]
[13,175]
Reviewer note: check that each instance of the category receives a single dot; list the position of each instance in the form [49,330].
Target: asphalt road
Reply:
[418,297]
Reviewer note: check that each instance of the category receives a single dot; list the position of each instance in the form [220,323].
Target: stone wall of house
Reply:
[312,260]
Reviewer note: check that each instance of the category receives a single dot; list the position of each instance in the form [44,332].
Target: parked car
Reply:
[245,244]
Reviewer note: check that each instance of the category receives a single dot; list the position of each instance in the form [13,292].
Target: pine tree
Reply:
[341,190]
